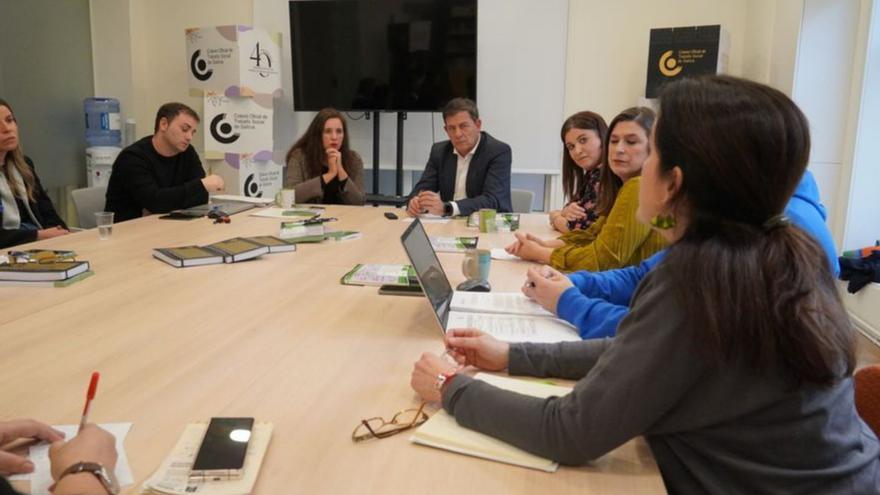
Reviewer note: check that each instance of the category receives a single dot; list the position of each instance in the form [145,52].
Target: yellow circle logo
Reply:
[668,65]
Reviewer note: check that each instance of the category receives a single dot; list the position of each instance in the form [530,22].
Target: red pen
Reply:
[90,394]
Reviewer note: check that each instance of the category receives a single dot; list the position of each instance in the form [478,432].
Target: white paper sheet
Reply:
[501,254]
[514,328]
[41,478]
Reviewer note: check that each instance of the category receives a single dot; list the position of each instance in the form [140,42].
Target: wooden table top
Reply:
[279,339]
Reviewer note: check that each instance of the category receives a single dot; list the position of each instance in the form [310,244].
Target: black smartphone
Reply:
[401,290]
[223,449]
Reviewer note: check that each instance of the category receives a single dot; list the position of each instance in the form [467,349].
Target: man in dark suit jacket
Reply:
[466,173]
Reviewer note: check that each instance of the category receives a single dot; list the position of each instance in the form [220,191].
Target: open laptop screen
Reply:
[428,269]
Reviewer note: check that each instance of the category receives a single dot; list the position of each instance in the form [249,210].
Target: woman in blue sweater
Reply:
[595,302]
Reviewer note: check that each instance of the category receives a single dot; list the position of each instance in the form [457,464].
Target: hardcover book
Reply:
[238,249]
[41,272]
[188,256]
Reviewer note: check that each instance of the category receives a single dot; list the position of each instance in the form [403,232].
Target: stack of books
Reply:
[228,251]
[306,231]
[44,274]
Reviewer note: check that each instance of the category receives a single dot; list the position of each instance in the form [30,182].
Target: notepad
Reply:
[511,303]
[442,432]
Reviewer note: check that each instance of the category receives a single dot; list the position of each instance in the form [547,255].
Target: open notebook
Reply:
[506,316]
[442,432]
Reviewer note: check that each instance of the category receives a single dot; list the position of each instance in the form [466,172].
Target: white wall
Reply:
[140,51]
[823,79]
[856,222]
[608,46]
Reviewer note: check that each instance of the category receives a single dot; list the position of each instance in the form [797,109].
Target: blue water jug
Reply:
[103,126]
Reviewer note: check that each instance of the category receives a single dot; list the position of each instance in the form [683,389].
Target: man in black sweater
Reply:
[162,172]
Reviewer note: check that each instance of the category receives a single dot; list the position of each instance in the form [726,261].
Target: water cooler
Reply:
[103,138]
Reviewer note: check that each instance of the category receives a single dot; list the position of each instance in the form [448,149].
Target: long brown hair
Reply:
[573,176]
[610,184]
[312,145]
[758,291]
[15,158]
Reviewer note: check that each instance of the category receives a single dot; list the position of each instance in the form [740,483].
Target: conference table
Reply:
[278,338]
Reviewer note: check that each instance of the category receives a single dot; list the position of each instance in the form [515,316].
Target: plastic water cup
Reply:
[104,220]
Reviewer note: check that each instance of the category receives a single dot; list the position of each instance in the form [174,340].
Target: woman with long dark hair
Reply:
[615,239]
[321,167]
[26,212]
[736,360]
[582,136]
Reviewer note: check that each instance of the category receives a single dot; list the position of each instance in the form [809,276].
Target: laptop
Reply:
[479,310]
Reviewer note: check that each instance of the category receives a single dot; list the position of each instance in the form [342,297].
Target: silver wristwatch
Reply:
[105,478]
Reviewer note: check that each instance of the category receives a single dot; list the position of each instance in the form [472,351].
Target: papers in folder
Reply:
[442,432]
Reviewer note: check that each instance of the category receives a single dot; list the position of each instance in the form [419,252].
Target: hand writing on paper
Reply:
[546,285]
[92,444]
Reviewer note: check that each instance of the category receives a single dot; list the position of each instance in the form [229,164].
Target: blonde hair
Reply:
[15,158]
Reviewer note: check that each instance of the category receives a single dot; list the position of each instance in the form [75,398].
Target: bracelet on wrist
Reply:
[443,380]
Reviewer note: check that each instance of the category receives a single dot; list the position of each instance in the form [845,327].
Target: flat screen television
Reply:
[382,55]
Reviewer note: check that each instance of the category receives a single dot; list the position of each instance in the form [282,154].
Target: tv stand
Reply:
[377,198]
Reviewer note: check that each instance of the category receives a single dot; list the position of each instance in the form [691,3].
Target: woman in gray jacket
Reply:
[735,362]
[321,167]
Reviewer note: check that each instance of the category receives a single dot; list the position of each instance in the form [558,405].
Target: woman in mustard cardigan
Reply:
[616,239]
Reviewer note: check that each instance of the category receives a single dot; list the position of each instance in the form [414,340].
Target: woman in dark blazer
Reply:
[26,212]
